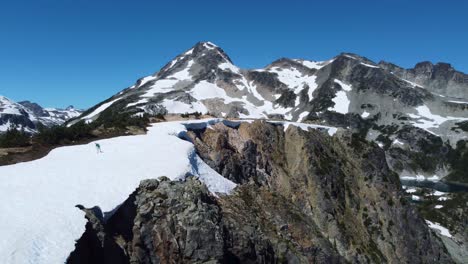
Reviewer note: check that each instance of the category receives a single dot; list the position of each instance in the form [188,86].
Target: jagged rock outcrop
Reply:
[303,197]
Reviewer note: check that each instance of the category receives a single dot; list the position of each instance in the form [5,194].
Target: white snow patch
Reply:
[184,74]
[188,52]
[343,85]
[304,126]
[229,66]
[40,220]
[9,107]
[209,45]
[442,230]
[98,110]
[438,193]
[415,197]
[398,142]
[312,87]
[434,178]
[161,86]
[351,57]
[302,116]
[458,102]
[341,103]
[146,79]
[438,206]
[295,79]
[179,107]
[443,198]
[206,90]
[429,120]
[141,101]
[312,64]
[412,190]
[369,65]
[365,114]
[413,178]
[341,99]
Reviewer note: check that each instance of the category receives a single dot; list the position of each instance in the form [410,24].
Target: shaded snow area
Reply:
[341,99]
[426,119]
[442,230]
[39,220]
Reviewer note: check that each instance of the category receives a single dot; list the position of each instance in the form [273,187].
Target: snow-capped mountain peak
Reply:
[204,79]
[27,115]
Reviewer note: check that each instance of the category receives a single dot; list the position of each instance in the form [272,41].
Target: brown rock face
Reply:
[303,197]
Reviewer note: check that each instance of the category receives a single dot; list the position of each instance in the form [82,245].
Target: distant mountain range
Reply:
[28,115]
[403,110]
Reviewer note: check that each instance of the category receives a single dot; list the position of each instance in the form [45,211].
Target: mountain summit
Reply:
[204,79]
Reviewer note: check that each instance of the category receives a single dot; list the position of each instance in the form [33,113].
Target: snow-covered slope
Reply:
[27,115]
[39,220]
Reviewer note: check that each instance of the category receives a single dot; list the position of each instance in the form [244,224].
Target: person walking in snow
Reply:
[98,148]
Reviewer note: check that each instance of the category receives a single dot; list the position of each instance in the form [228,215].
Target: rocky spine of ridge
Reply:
[303,197]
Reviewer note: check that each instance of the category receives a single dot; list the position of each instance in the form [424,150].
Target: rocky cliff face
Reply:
[303,197]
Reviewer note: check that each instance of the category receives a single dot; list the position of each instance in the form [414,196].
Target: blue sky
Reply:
[61,52]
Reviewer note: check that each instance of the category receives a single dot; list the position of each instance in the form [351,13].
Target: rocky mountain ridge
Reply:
[28,115]
[406,111]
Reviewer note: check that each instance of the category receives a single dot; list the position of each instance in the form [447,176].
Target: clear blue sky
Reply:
[61,52]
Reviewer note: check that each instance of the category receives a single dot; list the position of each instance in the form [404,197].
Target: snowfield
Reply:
[40,222]
[341,99]
[442,230]
[39,219]
[98,110]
